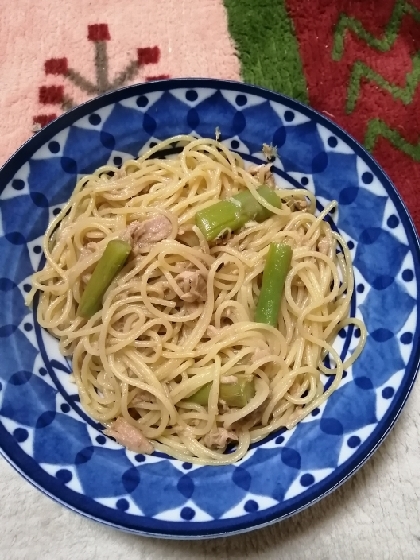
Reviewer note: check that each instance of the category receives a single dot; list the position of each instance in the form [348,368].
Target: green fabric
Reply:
[267,46]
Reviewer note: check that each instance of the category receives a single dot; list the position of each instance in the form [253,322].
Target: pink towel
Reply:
[54,55]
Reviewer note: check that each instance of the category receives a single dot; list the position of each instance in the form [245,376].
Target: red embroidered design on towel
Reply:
[156,78]
[148,55]
[42,120]
[98,32]
[99,35]
[53,95]
[56,66]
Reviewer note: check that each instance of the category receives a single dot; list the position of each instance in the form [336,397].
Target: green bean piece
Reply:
[201,396]
[235,212]
[275,271]
[113,259]
[236,395]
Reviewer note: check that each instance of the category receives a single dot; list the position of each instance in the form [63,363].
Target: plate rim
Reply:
[44,482]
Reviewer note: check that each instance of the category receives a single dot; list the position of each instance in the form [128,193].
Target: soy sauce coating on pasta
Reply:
[178,320]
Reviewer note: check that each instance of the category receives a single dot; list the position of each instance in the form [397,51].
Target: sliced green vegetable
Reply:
[235,212]
[275,271]
[201,396]
[236,395]
[108,266]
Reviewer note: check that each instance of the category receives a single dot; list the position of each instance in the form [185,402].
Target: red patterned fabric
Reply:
[396,67]
[56,66]
[148,55]
[98,32]
[51,95]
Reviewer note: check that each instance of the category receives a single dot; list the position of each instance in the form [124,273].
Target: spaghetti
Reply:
[178,319]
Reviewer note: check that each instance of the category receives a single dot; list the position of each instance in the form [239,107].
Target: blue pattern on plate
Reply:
[79,151]
[338,177]
[124,128]
[17,354]
[318,446]
[272,471]
[370,209]
[379,301]
[380,359]
[50,446]
[261,114]
[157,491]
[50,171]
[227,495]
[24,387]
[14,305]
[214,109]
[15,215]
[46,435]
[302,150]
[349,409]
[113,466]
[389,252]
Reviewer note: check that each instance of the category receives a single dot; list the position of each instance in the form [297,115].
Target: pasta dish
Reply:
[198,301]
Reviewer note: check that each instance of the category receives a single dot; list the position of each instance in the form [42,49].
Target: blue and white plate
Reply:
[44,432]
